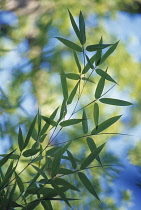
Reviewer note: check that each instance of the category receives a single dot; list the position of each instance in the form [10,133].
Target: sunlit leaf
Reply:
[91,157]
[20,139]
[105,75]
[73,76]
[77,61]
[82,28]
[96,114]
[72,159]
[72,94]
[100,87]
[30,132]
[30,152]
[96,47]
[70,44]
[60,181]
[109,52]
[116,102]
[84,122]
[75,27]
[106,124]
[87,184]
[66,123]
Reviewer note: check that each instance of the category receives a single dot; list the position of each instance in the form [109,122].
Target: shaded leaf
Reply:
[96,47]
[30,152]
[70,44]
[64,84]
[99,88]
[19,182]
[40,171]
[106,124]
[77,61]
[82,28]
[84,122]
[105,75]
[47,205]
[96,114]
[13,156]
[72,94]
[56,163]
[65,171]
[73,76]
[60,181]
[98,54]
[52,151]
[7,157]
[70,122]
[89,62]
[72,160]
[20,139]
[93,155]
[87,79]
[87,184]
[116,102]
[87,67]
[49,121]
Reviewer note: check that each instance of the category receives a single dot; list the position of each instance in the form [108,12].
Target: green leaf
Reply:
[63,110]
[104,75]
[66,184]
[20,139]
[87,79]
[40,171]
[47,205]
[93,155]
[19,183]
[73,76]
[104,125]
[99,88]
[72,94]
[87,184]
[66,123]
[42,138]
[116,102]
[96,47]
[49,121]
[75,27]
[96,114]
[77,61]
[30,152]
[65,171]
[109,52]
[10,196]
[56,163]
[31,205]
[70,44]
[13,156]
[30,132]
[64,85]
[82,28]
[87,67]
[52,151]
[98,54]
[84,122]
[89,62]
[6,158]
[60,192]
[72,160]
[92,146]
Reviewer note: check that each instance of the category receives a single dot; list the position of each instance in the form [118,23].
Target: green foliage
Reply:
[49,181]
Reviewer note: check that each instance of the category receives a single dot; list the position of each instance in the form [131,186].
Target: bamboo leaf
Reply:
[87,67]
[104,75]
[82,28]
[109,52]
[87,79]
[65,183]
[77,61]
[93,155]
[96,47]
[29,132]
[89,62]
[84,122]
[66,123]
[30,152]
[99,88]
[64,85]
[19,183]
[46,204]
[73,76]
[65,171]
[20,139]
[40,171]
[72,94]
[49,121]
[87,184]
[75,27]
[104,125]
[96,114]
[70,44]
[56,163]
[6,158]
[72,160]
[116,102]
[98,54]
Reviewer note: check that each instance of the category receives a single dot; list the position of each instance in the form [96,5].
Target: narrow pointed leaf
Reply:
[75,27]
[56,163]
[82,28]
[64,84]
[109,52]
[87,79]
[70,44]
[70,122]
[92,146]
[91,157]
[104,75]
[96,47]
[100,87]
[72,160]
[73,76]
[30,152]
[98,54]
[30,132]
[65,171]
[42,173]
[6,158]
[46,204]
[89,62]
[19,183]
[84,122]
[49,121]
[96,114]
[65,183]
[87,184]
[87,67]
[116,102]
[63,110]
[72,94]
[77,61]
[20,139]
[106,124]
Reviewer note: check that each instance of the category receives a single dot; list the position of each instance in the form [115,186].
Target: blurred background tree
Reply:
[30,64]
